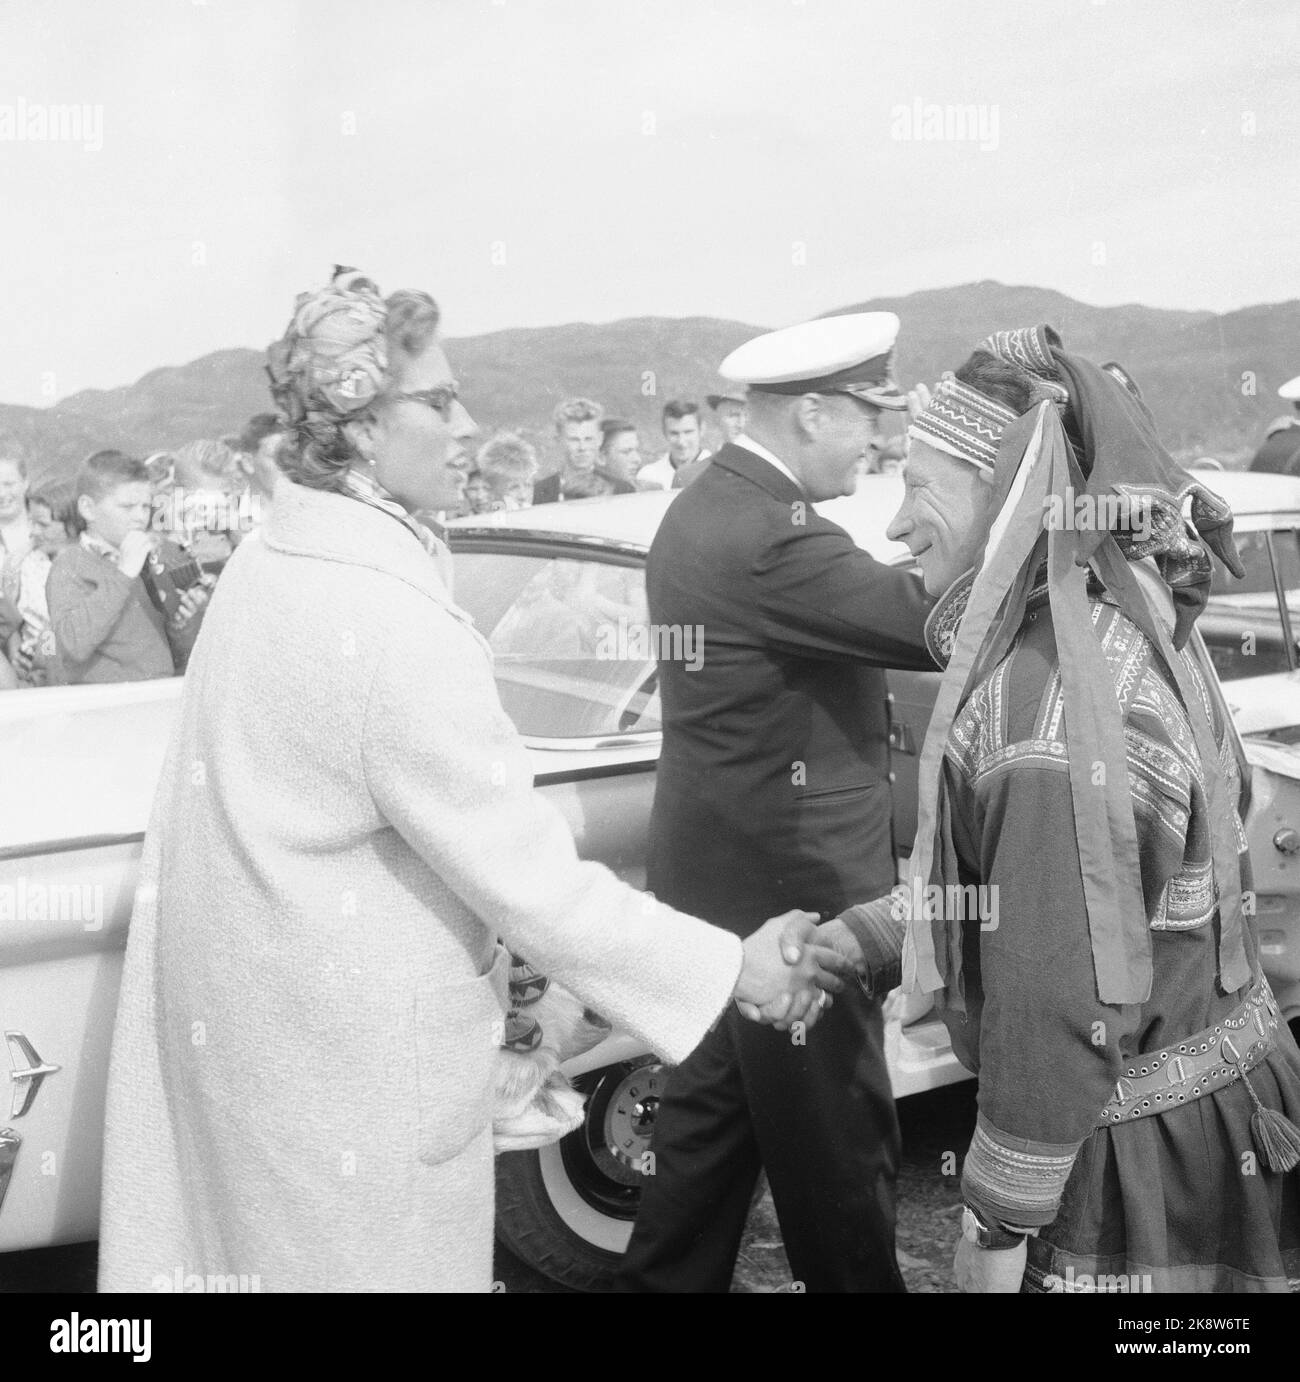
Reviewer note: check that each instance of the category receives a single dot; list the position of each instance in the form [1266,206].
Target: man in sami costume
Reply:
[1137,1086]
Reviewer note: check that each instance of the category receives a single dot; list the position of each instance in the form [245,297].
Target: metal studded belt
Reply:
[1218,1056]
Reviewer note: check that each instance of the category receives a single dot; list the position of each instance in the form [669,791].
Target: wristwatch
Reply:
[995,1236]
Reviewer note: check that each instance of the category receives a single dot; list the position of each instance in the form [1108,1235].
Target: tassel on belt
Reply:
[1210,1060]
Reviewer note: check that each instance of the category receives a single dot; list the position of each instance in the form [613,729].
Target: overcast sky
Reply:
[542,161]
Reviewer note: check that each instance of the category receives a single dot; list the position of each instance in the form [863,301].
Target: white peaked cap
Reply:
[850,354]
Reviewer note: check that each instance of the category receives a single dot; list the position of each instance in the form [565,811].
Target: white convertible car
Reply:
[80,765]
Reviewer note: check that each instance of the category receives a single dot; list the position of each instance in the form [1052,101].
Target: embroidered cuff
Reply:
[1013,1180]
[880,938]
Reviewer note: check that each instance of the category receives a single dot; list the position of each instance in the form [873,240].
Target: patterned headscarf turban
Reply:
[332,361]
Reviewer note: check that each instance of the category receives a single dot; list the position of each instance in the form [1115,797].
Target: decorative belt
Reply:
[1210,1060]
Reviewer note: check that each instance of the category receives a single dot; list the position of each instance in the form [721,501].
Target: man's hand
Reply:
[835,935]
[189,605]
[134,552]
[989,1271]
[786,976]
[918,400]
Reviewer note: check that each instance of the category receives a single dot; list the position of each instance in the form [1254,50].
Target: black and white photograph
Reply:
[650,647]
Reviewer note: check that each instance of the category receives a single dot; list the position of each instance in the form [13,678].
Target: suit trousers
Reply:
[818,1117]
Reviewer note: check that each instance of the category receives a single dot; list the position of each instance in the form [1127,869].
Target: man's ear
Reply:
[808,416]
[84,505]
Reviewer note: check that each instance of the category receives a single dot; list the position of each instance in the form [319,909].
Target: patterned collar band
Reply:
[962,422]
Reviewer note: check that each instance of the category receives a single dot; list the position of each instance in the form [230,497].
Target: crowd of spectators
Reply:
[104,576]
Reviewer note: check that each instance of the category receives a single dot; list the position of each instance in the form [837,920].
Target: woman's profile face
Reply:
[421,451]
[13,490]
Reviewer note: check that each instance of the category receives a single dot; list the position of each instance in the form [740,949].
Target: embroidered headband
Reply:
[962,422]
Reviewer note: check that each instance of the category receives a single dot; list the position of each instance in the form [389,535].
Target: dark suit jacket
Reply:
[1280,454]
[773,783]
[550,489]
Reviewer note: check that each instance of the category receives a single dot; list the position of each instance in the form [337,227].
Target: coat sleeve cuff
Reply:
[1014,1180]
[879,935]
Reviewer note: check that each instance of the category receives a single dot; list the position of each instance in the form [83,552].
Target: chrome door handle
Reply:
[28,1079]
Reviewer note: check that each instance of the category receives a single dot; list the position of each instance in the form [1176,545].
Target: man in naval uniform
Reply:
[773,792]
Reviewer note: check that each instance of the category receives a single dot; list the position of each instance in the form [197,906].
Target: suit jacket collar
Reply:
[332,527]
[757,471]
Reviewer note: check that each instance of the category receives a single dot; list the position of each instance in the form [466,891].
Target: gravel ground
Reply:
[929,1201]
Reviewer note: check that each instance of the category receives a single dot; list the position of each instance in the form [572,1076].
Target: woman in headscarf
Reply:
[1075,901]
[313,994]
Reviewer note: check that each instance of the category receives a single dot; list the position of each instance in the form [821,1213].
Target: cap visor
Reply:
[882,396]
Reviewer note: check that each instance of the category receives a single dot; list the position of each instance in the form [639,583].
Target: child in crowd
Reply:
[15,526]
[31,647]
[205,498]
[478,498]
[508,467]
[106,623]
[259,443]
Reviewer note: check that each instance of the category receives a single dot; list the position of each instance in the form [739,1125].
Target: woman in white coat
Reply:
[301,1080]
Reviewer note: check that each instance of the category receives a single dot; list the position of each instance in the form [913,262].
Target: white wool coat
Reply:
[300,1083]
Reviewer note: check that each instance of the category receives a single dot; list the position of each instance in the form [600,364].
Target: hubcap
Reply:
[605,1158]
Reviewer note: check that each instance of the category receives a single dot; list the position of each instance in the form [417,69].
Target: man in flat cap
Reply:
[773,787]
[728,412]
[1280,453]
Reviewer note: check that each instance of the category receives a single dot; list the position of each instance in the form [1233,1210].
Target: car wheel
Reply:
[567,1209]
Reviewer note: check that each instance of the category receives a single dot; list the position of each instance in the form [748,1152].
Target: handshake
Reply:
[792,966]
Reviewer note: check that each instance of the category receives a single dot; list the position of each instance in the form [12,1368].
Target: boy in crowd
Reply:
[620,449]
[577,426]
[106,624]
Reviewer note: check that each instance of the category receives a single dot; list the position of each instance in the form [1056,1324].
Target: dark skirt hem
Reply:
[1181,1201]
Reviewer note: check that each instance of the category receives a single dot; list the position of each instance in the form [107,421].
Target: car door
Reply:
[81,766]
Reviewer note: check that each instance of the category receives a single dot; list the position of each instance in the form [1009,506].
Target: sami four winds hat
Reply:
[852,354]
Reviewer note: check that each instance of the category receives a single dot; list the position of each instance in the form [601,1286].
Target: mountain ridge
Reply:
[1210,378]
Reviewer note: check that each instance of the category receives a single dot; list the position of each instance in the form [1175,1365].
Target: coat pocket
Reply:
[458,1030]
[840,847]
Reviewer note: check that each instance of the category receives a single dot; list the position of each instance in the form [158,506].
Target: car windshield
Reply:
[569,640]
[1242,622]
